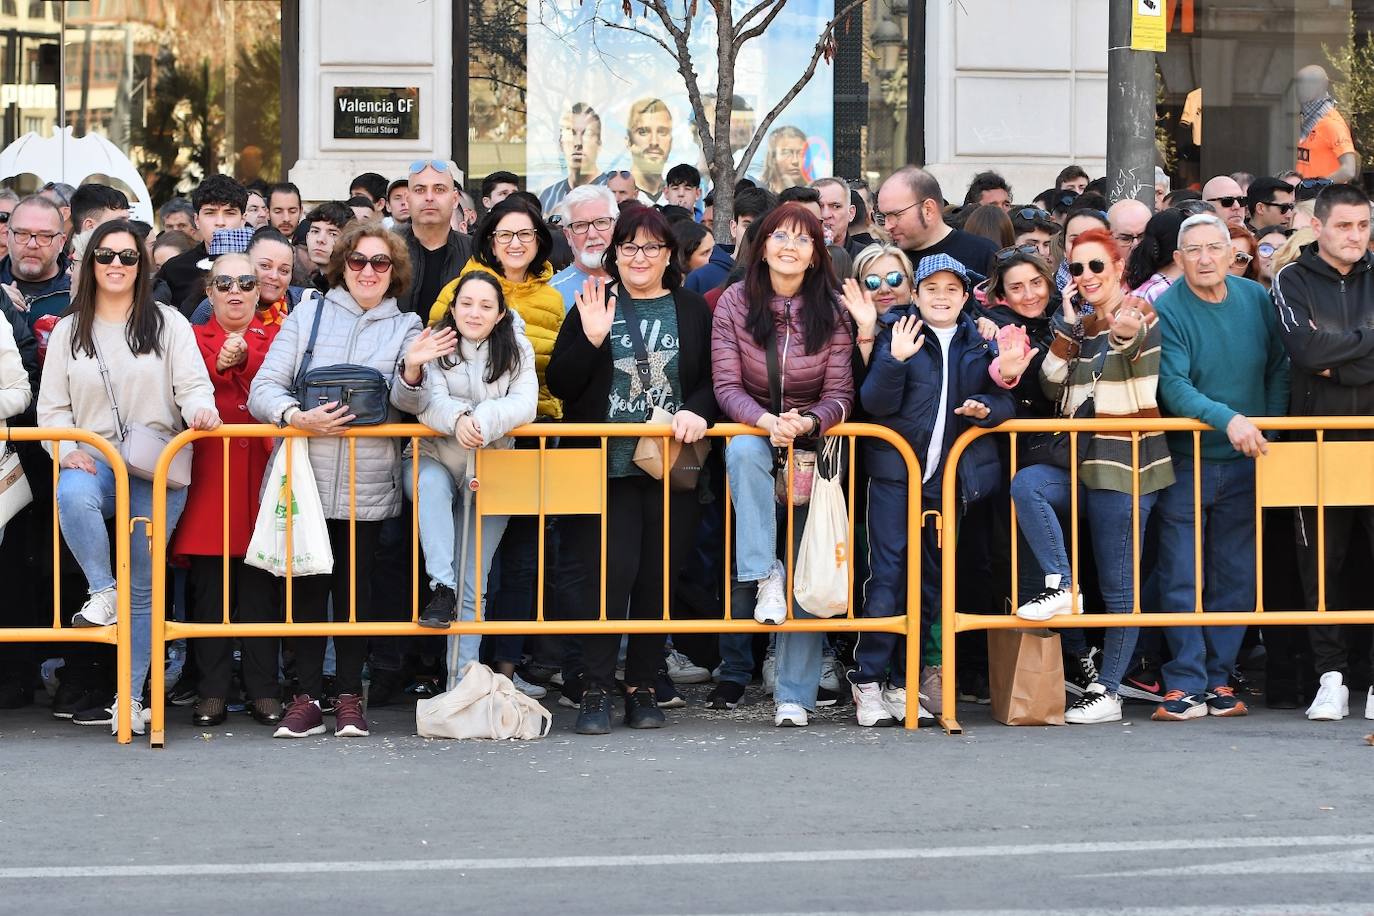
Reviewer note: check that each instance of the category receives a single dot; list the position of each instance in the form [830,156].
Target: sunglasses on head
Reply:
[356,261]
[419,165]
[128,257]
[1077,268]
[1006,254]
[1309,184]
[224,283]
[893,278]
[1032,213]
[1226,201]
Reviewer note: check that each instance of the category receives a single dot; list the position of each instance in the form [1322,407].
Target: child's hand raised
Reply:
[907,338]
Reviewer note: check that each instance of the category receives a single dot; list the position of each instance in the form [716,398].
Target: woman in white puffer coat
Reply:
[474,398]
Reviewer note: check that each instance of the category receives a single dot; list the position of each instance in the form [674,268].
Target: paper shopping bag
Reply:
[1026,677]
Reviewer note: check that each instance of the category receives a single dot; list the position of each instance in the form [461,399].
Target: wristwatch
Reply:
[816,423]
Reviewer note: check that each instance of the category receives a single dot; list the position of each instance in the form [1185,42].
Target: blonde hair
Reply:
[1292,248]
[877,250]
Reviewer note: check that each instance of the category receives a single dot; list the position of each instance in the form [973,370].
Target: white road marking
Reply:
[778,857]
[1345,862]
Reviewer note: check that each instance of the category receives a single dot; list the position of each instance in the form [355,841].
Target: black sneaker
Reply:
[666,692]
[183,692]
[570,694]
[595,717]
[975,689]
[725,695]
[72,699]
[641,710]
[1144,683]
[385,688]
[96,715]
[825,698]
[1281,694]
[15,694]
[442,609]
[1079,672]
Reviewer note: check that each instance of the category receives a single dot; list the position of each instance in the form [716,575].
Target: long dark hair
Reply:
[483,246]
[503,353]
[144,328]
[817,293]
[654,224]
[1156,248]
[689,236]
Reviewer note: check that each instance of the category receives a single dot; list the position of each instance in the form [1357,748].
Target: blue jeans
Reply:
[749,461]
[1042,497]
[441,524]
[84,502]
[1204,656]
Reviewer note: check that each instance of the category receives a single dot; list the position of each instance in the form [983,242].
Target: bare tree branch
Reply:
[754,11]
[822,44]
[742,36]
[634,31]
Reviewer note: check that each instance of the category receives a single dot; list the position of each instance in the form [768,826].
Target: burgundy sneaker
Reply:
[348,717]
[303,719]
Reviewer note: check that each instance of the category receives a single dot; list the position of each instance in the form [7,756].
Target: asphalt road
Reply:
[718,813]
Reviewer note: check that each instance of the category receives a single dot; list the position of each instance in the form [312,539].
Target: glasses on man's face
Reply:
[600,224]
[881,218]
[800,240]
[1006,254]
[128,257]
[356,261]
[1096,266]
[1282,208]
[1213,249]
[893,278]
[1127,238]
[43,239]
[225,283]
[505,236]
[1226,202]
[629,250]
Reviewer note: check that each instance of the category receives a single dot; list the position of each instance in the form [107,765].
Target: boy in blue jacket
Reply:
[929,380]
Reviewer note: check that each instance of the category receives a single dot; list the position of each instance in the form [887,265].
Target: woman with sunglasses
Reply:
[1106,348]
[1151,269]
[881,282]
[631,344]
[514,243]
[233,344]
[359,324]
[117,352]
[787,303]
[1243,243]
[273,259]
[1268,240]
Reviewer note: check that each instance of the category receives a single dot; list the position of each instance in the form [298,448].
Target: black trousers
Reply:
[634,572]
[254,597]
[1329,651]
[310,604]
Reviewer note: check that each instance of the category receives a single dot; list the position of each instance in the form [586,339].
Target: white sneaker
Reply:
[869,708]
[1333,699]
[925,707]
[681,670]
[771,605]
[894,699]
[1050,602]
[790,715]
[1095,706]
[100,610]
[533,691]
[770,671]
[1369,704]
[832,675]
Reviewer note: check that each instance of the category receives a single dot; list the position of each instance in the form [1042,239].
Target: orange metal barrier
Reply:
[532,482]
[117,635]
[1315,473]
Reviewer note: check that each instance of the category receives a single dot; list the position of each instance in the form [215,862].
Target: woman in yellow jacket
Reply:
[513,242]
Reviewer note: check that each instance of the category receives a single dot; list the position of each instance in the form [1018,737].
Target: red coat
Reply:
[201,529]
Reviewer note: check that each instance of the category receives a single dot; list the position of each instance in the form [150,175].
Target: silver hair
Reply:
[1203,219]
[588,193]
[1162,180]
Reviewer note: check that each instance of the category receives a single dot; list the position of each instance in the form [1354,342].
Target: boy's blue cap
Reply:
[938,262]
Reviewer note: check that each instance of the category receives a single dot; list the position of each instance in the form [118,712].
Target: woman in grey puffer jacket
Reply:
[474,398]
[359,325]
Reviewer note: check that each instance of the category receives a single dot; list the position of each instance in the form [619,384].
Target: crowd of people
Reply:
[1253,297]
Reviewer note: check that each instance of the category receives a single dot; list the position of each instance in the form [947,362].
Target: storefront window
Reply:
[30,69]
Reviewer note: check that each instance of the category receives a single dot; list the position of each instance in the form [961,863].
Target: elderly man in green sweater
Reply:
[1222,362]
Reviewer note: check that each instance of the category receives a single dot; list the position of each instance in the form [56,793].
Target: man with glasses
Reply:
[34,272]
[910,209]
[588,217]
[1223,193]
[1221,362]
[1270,203]
[437,251]
[1325,302]
[1128,218]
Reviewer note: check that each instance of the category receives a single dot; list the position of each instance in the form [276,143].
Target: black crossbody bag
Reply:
[362,389]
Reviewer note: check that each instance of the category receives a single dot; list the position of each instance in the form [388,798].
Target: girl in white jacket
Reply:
[15,392]
[474,398]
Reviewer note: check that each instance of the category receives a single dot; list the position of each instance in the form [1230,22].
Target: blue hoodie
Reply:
[713,273]
[47,297]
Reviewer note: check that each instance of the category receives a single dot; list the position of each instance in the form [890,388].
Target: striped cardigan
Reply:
[1126,387]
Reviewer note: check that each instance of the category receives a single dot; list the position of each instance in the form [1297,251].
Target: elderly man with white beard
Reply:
[588,218]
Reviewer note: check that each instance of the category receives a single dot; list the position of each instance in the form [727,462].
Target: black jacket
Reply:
[580,374]
[459,250]
[1326,321]
[1031,402]
[185,278]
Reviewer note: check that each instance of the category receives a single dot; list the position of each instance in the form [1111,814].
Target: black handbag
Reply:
[1053,448]
[362,389]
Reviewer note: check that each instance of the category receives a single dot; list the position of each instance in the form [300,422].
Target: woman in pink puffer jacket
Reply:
[786,301]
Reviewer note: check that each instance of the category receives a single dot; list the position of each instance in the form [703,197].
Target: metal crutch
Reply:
[469,488]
